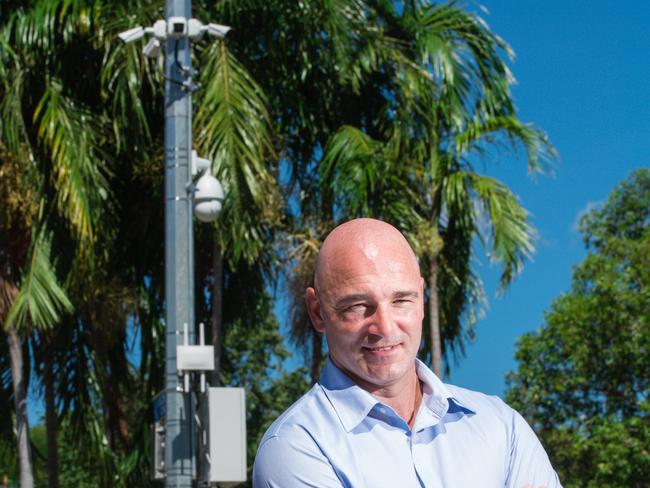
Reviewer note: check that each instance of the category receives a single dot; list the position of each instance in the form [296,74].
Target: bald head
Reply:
[362,241]
[368,299]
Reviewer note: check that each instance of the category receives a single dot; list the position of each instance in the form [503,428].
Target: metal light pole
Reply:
[180,451]
[174,412]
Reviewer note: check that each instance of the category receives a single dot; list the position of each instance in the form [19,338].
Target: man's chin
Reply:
[386,374]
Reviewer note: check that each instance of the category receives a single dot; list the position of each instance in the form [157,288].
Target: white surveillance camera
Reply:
[152,49]
[195,29]
[132,35]
[159,30]
[218,30]
[208,198]
[177,27]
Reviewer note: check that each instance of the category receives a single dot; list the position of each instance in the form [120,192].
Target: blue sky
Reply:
[582,69]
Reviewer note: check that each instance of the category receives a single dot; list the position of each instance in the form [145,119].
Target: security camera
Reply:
[132,35]
[159,30]
[195,29]
[208,198]
[218,30]
[152,49]
[177,27]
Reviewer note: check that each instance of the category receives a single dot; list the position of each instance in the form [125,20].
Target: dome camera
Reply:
[208,197]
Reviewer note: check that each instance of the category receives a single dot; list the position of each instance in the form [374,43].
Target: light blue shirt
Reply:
[338,435]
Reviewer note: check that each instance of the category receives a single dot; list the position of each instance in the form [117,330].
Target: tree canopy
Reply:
[582,380]
[312,112]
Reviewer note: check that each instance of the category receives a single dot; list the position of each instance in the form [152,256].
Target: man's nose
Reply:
[381,322]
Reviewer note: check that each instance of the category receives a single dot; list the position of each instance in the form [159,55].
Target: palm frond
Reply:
[13,131]
[131,84]
[123,72]
[346,148]
[69,134]
[358,41]
[41,299]
[465,58]
[488,131]
[47,24]
[511,234]
[235,130]
[463,301]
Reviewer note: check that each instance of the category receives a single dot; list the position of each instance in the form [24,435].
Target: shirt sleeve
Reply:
[283,463]
[529,465]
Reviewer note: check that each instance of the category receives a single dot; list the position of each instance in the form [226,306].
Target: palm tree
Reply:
[450,104]
[51,136]
[318,63]
[235,130]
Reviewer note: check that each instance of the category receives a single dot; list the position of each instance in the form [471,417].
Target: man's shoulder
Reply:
[292,440]
[304,413]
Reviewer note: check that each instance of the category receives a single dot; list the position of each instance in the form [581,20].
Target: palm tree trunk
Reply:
[20,404]
[51,424]
[434,317]
[316,355]
[217,307]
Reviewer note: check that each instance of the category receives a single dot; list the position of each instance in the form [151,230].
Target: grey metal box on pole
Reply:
[223,458]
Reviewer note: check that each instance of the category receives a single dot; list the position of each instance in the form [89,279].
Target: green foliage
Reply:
[311,111]
[41,299]
[8,458]
[582,379]
[411,159]
[236,133]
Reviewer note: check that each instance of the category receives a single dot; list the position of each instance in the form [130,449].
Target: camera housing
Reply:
[208,198]
[152,48]
[132,35]
[217,30]
[177,27]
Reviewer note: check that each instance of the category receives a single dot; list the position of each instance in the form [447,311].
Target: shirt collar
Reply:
[437,400]
[352,403]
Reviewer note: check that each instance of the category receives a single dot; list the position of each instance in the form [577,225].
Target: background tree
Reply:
[82,113]
[582,380]
[447,104]
[51,136]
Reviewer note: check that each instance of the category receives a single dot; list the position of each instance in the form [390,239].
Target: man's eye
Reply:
[357,307]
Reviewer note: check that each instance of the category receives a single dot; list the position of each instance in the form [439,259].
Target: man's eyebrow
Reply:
[360,297]
[406,294]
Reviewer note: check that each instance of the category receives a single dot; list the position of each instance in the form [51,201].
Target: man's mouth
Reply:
[380,348]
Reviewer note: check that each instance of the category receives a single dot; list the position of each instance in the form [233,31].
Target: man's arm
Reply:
[529,464]
[282,463]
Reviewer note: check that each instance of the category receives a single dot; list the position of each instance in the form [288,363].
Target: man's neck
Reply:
[405,400]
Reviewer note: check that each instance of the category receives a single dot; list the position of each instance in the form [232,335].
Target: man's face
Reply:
[370,305]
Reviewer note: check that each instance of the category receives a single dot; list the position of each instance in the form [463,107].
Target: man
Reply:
[379,417]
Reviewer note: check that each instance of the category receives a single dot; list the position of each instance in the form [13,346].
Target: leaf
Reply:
[234,129]
[69,133]
[41,299]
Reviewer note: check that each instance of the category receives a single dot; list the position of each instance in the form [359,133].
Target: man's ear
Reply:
[314,310]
